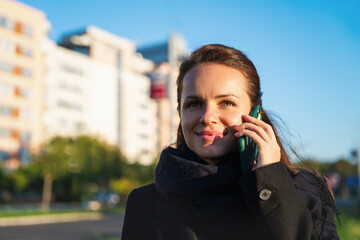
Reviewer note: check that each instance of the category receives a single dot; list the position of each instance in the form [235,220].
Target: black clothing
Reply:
[193,200]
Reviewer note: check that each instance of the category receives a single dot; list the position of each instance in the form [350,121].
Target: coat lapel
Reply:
[170,222]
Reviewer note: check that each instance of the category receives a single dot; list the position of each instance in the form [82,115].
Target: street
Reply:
[109,226]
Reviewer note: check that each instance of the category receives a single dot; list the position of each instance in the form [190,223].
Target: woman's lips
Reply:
[210,136]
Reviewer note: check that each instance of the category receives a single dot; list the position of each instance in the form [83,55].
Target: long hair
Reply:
[231,57]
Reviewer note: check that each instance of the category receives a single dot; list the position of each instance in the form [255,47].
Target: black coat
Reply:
[276,205]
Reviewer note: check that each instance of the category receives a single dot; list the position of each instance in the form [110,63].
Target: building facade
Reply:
[80,95]
[22,32]
[167,57]
[92,82]
[134,109]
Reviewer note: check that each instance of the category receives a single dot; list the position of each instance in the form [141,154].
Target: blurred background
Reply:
[88,99]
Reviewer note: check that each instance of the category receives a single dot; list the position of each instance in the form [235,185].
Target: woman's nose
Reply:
[209,115]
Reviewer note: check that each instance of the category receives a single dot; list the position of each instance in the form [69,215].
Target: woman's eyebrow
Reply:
[192,97]
[226,95]
[218,96]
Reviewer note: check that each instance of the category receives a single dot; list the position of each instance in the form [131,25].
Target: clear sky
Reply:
[307,53]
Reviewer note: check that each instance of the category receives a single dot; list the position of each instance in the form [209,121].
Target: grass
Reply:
[110,238]
[349,217]
[38,212]
[350,223]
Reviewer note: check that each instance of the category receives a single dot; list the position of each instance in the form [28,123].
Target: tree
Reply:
[343,167]
[98,162]
[52,161]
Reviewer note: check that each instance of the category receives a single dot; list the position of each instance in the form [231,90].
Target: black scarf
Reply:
[209,192]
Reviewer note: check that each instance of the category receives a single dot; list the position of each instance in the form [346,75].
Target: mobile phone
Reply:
[247,147]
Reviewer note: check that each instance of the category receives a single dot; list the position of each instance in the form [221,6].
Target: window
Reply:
[27,72]
[71,69]
[4,132]
[6,23]
[25,93]
[79,126]
[24,114]
[144,106]
[6,67]
[5,110]
[27,52]
[9,47]
[12,48]
[145,152]
[143,121]
[2,21]
[25,136]
[27,30]
[69,87]
[69,105]
[5,89]
[9,24]
[119,59]
[143,136]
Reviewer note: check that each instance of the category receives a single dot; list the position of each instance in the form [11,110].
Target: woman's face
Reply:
[213,100]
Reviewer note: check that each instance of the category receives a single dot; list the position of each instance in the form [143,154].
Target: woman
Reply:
[200,191]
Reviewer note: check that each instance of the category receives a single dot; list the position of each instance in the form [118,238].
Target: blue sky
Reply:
[307,53]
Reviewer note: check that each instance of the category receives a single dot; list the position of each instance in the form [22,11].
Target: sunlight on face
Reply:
[213,100]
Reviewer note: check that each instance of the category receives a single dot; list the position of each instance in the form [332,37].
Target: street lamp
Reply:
[355,154]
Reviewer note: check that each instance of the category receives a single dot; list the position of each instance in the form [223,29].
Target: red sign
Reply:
[158,89]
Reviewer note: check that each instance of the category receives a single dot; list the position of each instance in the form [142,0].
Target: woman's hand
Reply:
[264,137]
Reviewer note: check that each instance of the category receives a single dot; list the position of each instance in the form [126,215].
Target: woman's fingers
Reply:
[252,128]
[267,128]
[264,137]
[251,134]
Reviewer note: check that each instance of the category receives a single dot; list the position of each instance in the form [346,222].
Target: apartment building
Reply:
[135,111]
[80,95]
[167,57]
[22,31]
[93,82]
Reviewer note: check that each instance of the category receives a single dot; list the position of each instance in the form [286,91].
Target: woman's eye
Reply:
[227,103]
[193,104]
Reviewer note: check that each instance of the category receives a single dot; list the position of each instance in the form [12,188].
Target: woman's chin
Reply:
[210,152]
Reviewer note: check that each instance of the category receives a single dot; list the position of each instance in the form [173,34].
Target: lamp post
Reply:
[355,154]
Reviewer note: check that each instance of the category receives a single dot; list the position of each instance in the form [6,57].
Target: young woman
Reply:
[200,191]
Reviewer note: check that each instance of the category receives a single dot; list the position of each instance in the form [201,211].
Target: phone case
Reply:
[247,147]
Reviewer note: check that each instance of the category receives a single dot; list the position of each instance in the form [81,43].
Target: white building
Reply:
[22,32]
[167,56]
[80,95]
[118,96]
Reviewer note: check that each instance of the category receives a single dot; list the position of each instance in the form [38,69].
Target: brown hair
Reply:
[231,57]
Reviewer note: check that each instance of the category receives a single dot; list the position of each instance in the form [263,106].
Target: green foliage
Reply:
[16,182]
[68,188]
[33,175]
[350,223]
[20,180]
[53,159]
[77,163]
[96,161]
[343,167]
[2,177]
[143,174]
[311,165]
[123,185]
[80,166]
